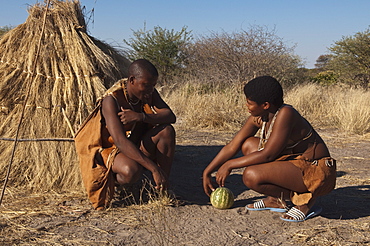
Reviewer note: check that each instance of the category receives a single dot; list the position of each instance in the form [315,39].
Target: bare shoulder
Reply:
[291,118]
[288,108]
[289,112]
[109,105]
[107,100]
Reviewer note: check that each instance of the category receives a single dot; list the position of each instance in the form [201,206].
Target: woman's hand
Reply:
[208,185]
[222,173]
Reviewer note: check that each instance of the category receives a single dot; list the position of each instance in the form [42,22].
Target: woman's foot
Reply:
[304,209]
[301,213]
[268,203]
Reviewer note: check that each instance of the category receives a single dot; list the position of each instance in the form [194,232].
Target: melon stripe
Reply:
[222,198]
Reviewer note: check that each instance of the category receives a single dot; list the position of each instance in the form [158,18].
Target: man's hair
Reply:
[264,89]
[137,67]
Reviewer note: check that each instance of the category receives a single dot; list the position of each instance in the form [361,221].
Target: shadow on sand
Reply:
[186,174]
[345,203]
[186,181]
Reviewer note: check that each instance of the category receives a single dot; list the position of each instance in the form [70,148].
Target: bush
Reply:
[326,78]
[164,48]
[232,58]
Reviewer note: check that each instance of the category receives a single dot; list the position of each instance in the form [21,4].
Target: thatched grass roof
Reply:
[73,69]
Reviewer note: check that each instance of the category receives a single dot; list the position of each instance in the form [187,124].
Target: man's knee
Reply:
[167,131]
[129,174]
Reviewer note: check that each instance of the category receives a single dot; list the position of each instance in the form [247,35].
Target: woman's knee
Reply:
[250,177]
[250,145]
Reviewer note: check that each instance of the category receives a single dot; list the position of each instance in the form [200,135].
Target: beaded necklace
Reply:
[125,92]
[265,136]
[128,99]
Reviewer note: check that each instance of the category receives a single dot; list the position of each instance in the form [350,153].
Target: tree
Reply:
[351,59]
[322,61]
[240,56]
[4,29]
[164,48]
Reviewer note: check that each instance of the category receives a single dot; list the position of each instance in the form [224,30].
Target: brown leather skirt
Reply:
[319,176]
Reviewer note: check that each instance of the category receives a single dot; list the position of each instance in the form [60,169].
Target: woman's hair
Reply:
[264,89]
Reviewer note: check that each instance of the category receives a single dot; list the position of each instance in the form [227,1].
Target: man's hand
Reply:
[160,179]
[127,116]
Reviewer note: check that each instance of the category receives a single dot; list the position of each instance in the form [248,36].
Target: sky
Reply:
[312,26]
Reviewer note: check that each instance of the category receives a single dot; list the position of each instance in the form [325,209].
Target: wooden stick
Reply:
[68,122]
[39,139]
[25,103]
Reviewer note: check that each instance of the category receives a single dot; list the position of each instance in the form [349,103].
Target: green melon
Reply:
[222,198]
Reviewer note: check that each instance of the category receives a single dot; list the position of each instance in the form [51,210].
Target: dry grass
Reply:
[149,209]
[334,107]
[156,218]
[343,108]
[35,219]
[208,109]
[72,70]
[75,69]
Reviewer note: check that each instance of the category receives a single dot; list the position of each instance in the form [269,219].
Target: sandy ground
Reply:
[68,219]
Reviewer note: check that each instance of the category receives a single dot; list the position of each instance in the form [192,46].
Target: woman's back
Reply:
[303,138]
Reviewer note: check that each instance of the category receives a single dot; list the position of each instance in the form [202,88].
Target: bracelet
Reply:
[144,116]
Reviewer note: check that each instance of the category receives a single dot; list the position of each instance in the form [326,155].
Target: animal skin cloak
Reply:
[95,159]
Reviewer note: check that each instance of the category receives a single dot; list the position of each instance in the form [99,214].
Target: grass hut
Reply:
[71,71]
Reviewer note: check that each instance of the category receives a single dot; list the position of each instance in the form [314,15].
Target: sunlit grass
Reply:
[344,109]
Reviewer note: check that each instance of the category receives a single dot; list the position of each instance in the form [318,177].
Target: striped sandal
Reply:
[260,205]
[299,216]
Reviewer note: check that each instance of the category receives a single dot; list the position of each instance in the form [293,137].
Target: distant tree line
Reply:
[4,29]
[224,58]
[220,58]
[348,62]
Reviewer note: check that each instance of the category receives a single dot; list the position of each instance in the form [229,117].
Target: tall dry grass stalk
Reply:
[334,107]
[346,109]
[73,69]
[196,107]
[155,215]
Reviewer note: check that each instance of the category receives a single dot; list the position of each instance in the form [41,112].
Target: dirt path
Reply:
[55,219]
